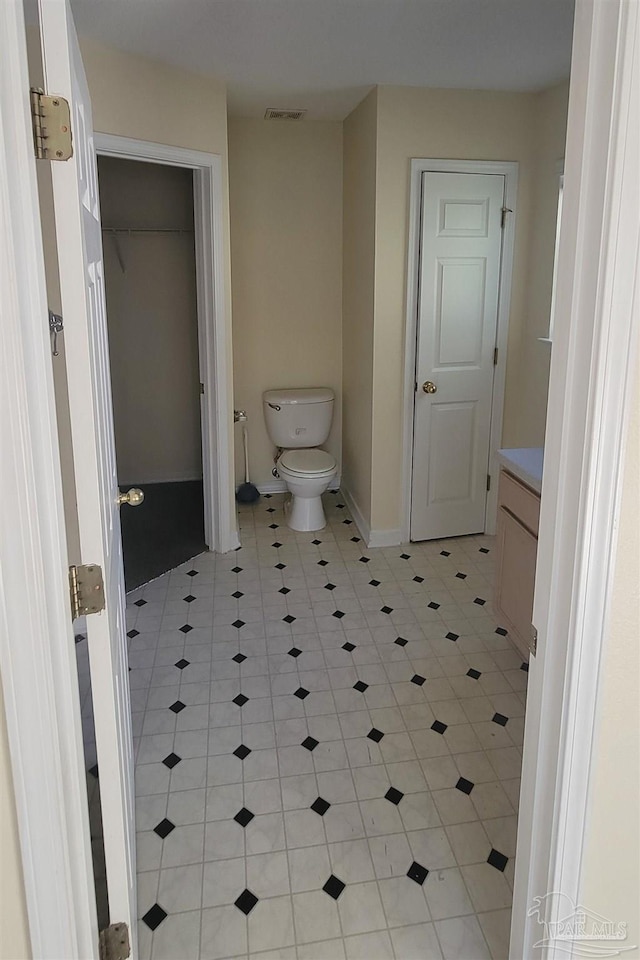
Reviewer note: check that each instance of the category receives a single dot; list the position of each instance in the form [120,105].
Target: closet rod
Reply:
[147,230]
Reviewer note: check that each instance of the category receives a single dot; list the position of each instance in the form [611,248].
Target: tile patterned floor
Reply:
[328,744]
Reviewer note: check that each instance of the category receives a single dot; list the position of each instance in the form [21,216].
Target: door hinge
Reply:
[114,942]
[503,217]
[86,589]
[51,123]
[533,641]
[202,388]
[495,356]
[488,481]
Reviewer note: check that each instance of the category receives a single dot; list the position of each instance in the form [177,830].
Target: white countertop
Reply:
[524,463]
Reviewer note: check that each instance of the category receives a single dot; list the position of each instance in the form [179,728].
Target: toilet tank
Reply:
[298,418]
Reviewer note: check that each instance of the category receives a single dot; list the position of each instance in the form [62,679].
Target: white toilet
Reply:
[298,421]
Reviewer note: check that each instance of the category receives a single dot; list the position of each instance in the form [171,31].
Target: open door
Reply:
[79,246]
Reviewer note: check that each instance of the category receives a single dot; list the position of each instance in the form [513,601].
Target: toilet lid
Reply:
[307,461]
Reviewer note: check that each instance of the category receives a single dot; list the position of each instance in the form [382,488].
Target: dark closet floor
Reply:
[164,531]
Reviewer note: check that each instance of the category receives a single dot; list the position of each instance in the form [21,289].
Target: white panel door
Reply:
[77,212]
[459,274]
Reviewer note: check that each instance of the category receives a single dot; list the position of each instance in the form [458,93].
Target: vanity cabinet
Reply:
[516,548]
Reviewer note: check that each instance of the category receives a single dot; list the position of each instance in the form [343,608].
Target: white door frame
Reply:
[37,650]
[595,346]
[214,325]
[509,170]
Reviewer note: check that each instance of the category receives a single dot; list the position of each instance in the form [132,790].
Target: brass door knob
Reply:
[429,387]
[133,497]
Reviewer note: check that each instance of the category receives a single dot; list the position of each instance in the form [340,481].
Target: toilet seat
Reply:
[308,462]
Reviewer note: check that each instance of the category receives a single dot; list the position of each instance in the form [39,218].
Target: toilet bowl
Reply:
[307,473]
[298,421]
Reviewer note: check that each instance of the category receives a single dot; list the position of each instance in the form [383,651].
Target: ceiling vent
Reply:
[274,113]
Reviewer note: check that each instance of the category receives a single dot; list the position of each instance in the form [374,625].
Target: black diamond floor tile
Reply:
[246,902]
[192,573]
[348,646]
[474,674]
[274,526]
[320,806]
[393,795]
[178,706]
[483,550]
[140,603]
[452,636]
[181,664]
[280,566]
[464,786]
[164,828]
[361,686]
[417,872]
[418,579]
[189,598]
[242,751]
[461,576]
[294,652]
[289,618]
[401,641]
[316,543]
[502,632]
[355,540]
[185,628]
[334,887]
[375,735]
[405,556]
[239,658]
[386,610]
[284,591]
[338,614]
[237,594]
[433,605]
[309,743]
[133,633]
[497,859]
[240,700]
[154,917]
[301,693]
[480,601]
[323,563]
[500,718]
[445,553]
[236,569]
[365,559]
[329,586]
[277,544]
[172,760]
[238,624]
[244,817]
[525,667]
[418,680]
[438,726]
[374,583]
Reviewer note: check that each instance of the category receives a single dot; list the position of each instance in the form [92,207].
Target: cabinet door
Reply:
[515,577]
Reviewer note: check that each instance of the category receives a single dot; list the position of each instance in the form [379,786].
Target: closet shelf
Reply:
[147,229]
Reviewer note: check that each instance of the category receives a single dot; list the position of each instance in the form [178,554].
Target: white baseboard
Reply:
[278,486]
[385,538]
[356,513]
[372,538]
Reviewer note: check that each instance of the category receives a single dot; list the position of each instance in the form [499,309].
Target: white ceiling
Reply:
[326,54]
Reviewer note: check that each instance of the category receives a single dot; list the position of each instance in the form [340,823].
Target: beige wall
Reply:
[550,121]
[152,319]
[613,835]
[286,242]
[359,193]
[14,931]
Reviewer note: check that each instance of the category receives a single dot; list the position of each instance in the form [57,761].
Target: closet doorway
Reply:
[152,317]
